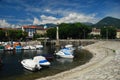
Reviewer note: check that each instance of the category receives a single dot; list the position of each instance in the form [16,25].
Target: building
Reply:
[118,33]
[31,30]
[41,30]
[95,31]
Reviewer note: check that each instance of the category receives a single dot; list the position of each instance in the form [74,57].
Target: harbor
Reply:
[103,66]
[60,40]
[13,69]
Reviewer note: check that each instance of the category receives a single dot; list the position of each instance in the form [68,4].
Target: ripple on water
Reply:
[12,68]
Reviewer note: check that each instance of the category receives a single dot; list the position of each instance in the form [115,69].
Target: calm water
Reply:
[13,70]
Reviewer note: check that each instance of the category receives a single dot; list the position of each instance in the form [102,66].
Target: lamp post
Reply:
[106,33]
[84,33]
[57,36]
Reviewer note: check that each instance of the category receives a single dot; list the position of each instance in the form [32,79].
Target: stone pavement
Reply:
[105,64]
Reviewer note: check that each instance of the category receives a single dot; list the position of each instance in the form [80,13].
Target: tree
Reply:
[108,32]
[51,33]
[74,30]
[2,35]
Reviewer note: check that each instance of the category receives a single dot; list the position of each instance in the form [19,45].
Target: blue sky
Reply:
[26,12]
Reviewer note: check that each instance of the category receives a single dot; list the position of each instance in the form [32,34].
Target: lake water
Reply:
[13,70]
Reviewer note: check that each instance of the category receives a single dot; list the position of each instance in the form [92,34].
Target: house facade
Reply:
[118,33]
[95,31]
[31,30]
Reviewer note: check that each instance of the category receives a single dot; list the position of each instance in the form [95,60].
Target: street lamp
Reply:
[84,33]
[107,33]
[106,29]
[57,36]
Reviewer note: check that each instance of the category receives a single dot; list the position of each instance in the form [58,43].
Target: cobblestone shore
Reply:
[105,64]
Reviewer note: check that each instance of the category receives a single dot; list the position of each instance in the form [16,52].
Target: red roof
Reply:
[29,27]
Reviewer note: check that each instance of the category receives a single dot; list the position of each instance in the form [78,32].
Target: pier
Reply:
[75,42]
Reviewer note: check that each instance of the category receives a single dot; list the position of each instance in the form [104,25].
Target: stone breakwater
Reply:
[105,64]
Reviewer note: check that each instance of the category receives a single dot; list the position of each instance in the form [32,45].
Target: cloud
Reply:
[36,21]
[5,24]
[71,18]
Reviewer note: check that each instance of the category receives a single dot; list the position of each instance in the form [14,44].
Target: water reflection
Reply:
[64,60]
[12,66]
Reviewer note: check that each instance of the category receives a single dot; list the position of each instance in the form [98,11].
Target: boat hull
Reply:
[61,54]
[29,64]
[41,60]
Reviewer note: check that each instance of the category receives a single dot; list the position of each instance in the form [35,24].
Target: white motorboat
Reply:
[41,60]
[39,46]
[32,47]
[65,53]
[30,64]
[26,47]
[70,47]
[29,47]
[9,48]
[36,63]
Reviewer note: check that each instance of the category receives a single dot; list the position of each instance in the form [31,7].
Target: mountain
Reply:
[87,23]
[108,21]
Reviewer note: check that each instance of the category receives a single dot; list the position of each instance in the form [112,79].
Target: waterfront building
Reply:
[95,31]
[41,30]
[118,33]
[31,30]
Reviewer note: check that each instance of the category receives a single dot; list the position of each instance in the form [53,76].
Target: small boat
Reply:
[26,48]
[18,47]
[70,47]
[32,47]
[8,47]
[39,46]
[42,61]
[65,53]
[29,47]
[30,64]
[35,64]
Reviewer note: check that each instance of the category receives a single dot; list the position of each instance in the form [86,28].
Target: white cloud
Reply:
[71,18]
[5,24]
[36,21]
[47,10]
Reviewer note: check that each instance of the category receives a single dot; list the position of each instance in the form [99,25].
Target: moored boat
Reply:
[39,46]
[41,60]
[30,64]
[8,47]
[65,53]
[36,63]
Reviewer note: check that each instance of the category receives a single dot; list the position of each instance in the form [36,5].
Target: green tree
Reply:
[2,35]
[108,32]
[51,33]
[74,30]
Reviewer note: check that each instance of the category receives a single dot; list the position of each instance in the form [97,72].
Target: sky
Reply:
[14,13]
